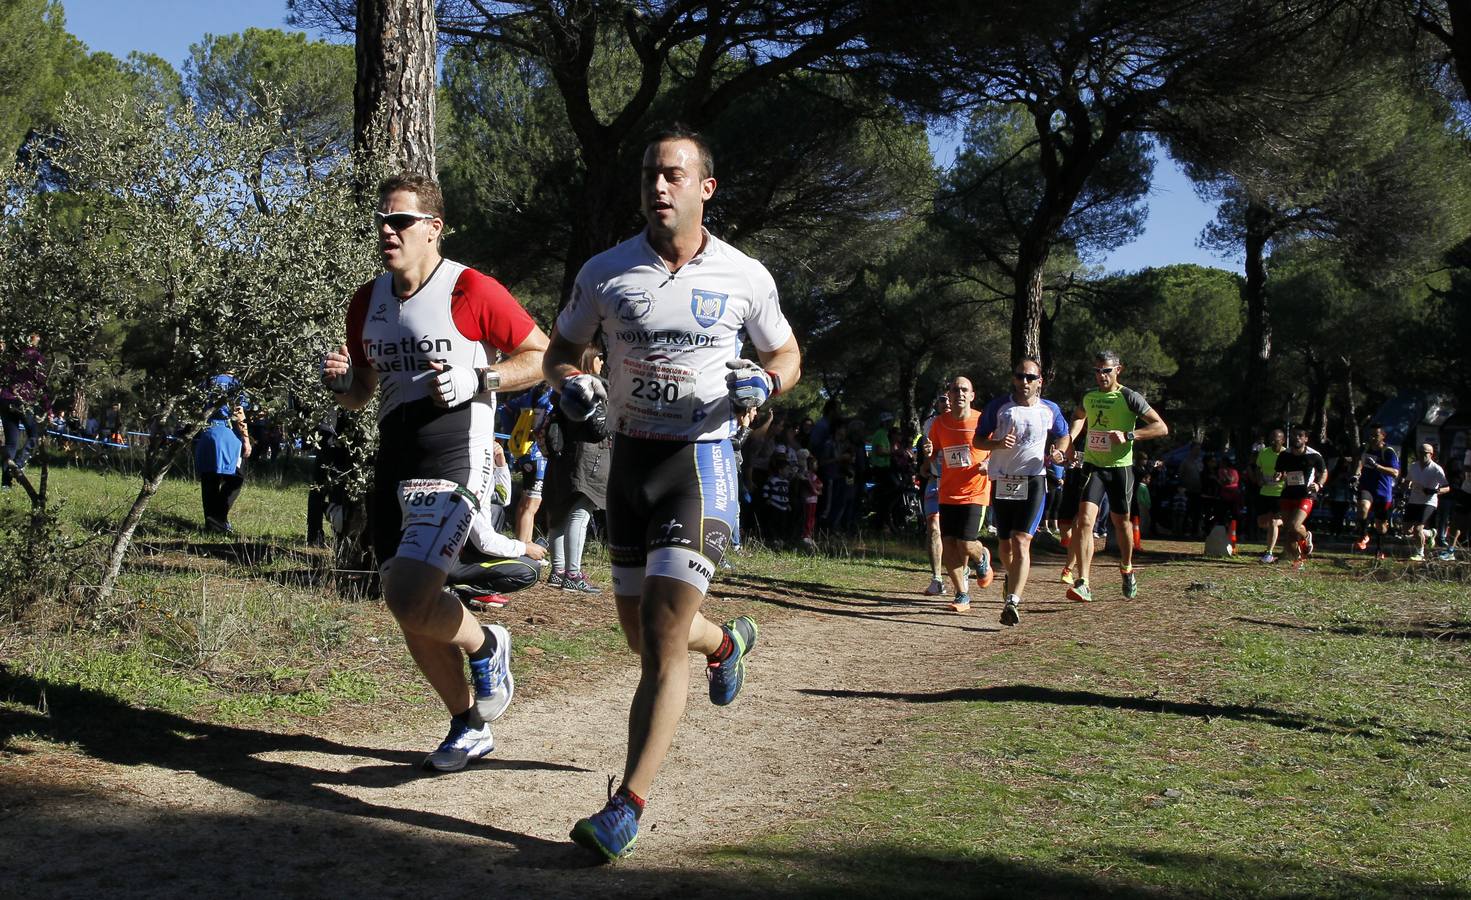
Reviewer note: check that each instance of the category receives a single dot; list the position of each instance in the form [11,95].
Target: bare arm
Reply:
[785,362]
[1154,427]
[561,358]
[522,368]
[337,363]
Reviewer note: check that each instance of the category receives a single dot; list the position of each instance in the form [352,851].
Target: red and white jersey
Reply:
[457,317]
[669,334]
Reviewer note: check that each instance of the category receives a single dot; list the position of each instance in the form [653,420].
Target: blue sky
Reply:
[168,27]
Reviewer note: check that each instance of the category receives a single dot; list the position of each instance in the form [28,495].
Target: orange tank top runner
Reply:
[962,469]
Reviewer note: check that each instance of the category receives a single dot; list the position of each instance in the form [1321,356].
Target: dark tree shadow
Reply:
[107,730]
[1199,709]
[1448,632]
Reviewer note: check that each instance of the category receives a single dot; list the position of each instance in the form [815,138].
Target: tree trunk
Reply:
[1458,40]
[1350,408]
[1027,314]
[1258,316]
[124,537]
[1320,383]
[1258,325]
[597,227]
[393,98]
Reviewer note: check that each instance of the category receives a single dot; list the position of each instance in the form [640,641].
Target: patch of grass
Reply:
[574,646]
[1316,746]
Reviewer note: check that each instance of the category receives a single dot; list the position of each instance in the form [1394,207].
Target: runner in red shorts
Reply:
[1303,474]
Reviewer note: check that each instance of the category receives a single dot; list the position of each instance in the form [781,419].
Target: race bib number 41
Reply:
[958,457]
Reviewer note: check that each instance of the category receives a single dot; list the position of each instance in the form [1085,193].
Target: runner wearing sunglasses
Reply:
[1023,432]
[424,336]
[1106,425]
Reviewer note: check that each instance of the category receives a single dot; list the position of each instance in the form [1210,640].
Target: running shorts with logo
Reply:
[418,440]
[672,508]
[533,472]
[1015,517]
[961,521]
[1114,482]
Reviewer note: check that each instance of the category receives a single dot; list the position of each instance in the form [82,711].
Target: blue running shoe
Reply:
[461,747]
[610,833]
[491,677]
[727,677]
[984,573]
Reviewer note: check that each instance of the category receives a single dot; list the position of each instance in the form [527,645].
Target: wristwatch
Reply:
[1128,436]
[489,379]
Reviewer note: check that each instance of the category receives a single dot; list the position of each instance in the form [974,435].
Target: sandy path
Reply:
[176,807]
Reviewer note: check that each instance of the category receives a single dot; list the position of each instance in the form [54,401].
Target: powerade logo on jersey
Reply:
[707,306]
[405,354]
[641,338]
[633,306]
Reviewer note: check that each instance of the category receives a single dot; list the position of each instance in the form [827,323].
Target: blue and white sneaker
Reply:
[461,747]
[726,678]
[611,832]
[491,678]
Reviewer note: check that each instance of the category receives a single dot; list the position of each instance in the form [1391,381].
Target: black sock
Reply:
[471,718]
[487,647]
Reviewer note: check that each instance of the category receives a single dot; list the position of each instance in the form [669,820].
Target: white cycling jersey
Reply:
[669,334]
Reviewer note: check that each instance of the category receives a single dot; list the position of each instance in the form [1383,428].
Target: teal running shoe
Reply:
[726,678]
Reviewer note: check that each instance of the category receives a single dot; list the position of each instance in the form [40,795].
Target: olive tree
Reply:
[175,243]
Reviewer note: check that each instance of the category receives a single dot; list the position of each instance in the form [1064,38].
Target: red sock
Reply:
[634,799]
[726,648]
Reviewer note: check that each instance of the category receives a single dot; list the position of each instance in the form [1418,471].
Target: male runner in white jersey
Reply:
[424,335]
[674,304]
[1017,429]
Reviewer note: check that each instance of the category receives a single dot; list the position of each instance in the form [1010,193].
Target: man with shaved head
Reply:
[964,491]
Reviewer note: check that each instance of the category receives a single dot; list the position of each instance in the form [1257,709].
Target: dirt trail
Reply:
[177,807]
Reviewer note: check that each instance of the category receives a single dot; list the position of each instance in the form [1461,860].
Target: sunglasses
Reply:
[400,221]
[1104,371]
[1028,377]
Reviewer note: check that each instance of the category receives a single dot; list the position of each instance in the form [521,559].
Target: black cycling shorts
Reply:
[961,521]
[1020,516]
[679,495]
[1072,495]
[420,440]
[1114,482]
